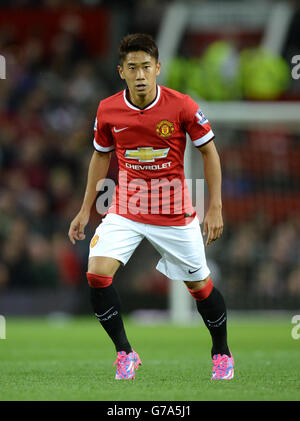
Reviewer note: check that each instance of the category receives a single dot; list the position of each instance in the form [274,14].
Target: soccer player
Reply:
[146,125]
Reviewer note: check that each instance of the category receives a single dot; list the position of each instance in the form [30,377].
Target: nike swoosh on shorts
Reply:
[193,271]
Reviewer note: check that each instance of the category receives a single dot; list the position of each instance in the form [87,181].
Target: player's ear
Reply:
[158,66]
[120,69]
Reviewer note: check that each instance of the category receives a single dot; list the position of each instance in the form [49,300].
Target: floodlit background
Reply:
[236,58]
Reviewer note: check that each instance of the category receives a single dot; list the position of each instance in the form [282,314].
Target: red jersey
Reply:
[150,145]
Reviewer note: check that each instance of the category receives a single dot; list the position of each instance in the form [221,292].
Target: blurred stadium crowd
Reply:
[47,110]
[259,253]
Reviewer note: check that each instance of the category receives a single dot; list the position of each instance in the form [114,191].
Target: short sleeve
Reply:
[103,139]
[195,123]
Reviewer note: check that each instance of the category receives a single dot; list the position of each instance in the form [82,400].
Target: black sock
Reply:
[213,312]
[107,308]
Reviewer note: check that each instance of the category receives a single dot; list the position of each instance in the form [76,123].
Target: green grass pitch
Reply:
[72,361]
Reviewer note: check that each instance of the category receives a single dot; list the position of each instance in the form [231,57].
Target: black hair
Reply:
[137,42]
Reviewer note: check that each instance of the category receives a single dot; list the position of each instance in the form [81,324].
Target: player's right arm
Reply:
[98,169]
[104,145]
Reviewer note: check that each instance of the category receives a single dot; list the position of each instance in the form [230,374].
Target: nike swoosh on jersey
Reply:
[120,130]
[193,271]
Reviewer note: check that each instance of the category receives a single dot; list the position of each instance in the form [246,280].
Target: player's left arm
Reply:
[213,221]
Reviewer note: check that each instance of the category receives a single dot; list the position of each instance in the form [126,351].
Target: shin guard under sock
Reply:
[107,308]
[213,311]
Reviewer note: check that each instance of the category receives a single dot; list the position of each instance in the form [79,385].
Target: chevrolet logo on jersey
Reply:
[146,154]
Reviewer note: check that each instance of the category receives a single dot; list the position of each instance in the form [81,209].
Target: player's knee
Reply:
[194,285]
[200,290]
[104,266]
[98,281]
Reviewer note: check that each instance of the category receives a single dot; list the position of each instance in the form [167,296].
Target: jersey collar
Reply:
[130,105]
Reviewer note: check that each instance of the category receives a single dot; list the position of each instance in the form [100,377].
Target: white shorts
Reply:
[181,247]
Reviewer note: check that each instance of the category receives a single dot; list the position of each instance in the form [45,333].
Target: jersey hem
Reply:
[166,223]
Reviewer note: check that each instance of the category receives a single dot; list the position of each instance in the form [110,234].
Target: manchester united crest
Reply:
[165,128]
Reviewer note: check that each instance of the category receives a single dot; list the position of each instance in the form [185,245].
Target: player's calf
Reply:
[211,305]
[107,309]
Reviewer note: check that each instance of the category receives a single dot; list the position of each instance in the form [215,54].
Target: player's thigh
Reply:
[102,265]
[182,251]
[113,243]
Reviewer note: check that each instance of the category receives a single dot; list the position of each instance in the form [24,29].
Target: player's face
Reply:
[140,70]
